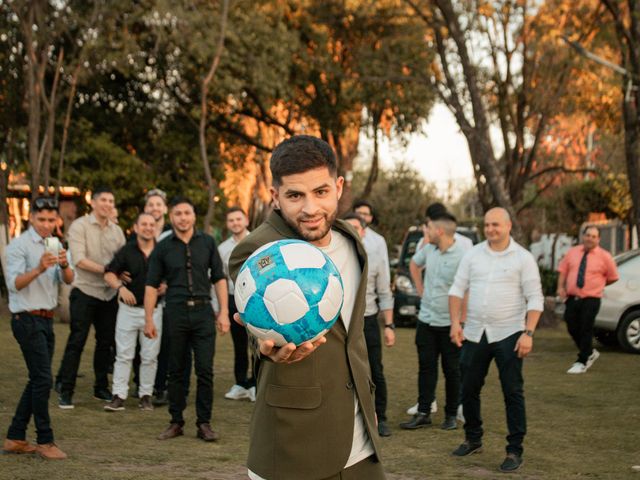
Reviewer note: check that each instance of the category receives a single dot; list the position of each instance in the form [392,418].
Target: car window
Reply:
[629,265]
[409,247]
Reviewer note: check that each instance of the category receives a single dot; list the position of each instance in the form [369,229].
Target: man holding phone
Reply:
[36,264]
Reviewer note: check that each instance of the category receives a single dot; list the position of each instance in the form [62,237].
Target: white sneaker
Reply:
[577,367]
[413,410]
[592,358]
[252,393]
[460,415]
[237,393]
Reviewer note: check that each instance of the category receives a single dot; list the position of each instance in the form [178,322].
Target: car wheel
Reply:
[606,337]
[629,332]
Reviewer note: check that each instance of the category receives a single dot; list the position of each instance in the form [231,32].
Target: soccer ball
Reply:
[288,291]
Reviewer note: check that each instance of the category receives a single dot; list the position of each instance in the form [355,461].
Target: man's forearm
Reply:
[416,276]
[26,278]
[388,316]
[90,266]
[67,275]
[112,280]
[150,301]
[533,317]
[455,309]
[561,281]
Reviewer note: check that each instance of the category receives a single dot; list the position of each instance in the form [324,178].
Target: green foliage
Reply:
[549,279]
[399,198]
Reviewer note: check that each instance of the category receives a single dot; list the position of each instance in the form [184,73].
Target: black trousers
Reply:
[191,328]
[374,349]
[240,339]
[580,315]
[86,311]
[475,359]
[432,343]
[36,339]
[162,373]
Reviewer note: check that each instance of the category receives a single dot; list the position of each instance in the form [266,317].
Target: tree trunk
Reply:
[65,129]
[632,153]
[373,172]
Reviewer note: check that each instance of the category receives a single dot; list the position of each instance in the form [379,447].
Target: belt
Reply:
[42,313]
[197,301]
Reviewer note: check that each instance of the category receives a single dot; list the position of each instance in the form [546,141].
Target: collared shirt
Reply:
[375,242]
[88,239]
[23,255]
[440,270]
[379,296]
[133,260]
[169,262]
[601,268]
[503,287]
[463,241]
[225,249]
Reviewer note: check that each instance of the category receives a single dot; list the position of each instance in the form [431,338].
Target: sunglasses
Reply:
[45,203]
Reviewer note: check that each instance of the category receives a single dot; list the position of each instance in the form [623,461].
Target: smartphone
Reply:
[52,245]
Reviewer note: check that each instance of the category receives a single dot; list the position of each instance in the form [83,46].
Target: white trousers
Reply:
[130,328]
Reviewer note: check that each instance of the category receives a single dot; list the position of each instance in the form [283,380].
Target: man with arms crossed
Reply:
[314,416]
[33,274]
[504,306]
[583,273]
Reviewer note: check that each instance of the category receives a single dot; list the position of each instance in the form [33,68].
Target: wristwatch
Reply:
[392,326]
[529,333]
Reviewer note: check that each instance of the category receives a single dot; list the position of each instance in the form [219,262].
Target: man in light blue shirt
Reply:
[36,264]
[440,261]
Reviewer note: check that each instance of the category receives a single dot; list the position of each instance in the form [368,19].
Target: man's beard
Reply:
[313,235]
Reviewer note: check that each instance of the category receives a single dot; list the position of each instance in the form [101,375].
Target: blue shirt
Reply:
[440,270]
[23,255]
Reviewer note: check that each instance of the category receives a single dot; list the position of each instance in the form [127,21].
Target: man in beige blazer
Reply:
[314,416]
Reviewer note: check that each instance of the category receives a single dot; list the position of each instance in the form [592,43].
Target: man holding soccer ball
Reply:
[309,396]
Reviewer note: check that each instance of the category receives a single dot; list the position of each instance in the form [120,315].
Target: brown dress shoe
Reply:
[206,433]
[18,446]
[50,451]
[174,430]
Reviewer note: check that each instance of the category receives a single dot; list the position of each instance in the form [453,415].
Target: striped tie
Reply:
[582,270]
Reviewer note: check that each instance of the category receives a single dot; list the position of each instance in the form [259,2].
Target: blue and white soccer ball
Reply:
[289,291]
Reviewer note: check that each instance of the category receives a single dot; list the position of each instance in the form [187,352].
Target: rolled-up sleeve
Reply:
[420,257]
[530,284]
[16,265]
[383,286]
[77,245]
[460,283]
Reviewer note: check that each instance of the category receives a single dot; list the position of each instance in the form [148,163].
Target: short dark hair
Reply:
[299,154]
[99,191]
[235,208]
[155,192]
[364,203]
[180,199]
[435,209]
[142,214]
[355,216]
[45,203]
[446,216]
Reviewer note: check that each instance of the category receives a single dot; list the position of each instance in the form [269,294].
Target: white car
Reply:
[618,320]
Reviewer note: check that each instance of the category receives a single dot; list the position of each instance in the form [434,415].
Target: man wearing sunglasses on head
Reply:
[36,264]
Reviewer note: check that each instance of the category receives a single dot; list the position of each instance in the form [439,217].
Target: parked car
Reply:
[407,301]
[618,320]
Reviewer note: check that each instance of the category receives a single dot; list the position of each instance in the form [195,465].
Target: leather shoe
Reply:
[18,446]
[174,430]
[383,429]
[467,448]
[206,433]
[512,463]
[419,420]
[50,451]
[449,423]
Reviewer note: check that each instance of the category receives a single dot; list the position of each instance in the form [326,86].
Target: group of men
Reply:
[478,304]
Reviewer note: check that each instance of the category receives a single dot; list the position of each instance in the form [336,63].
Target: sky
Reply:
[440,154]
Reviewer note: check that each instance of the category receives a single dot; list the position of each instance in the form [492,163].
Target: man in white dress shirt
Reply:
[505,304]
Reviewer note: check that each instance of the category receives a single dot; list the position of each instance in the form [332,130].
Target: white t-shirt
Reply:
[343,254]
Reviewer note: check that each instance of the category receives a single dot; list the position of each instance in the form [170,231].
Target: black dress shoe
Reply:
[206,433]
[174,430]
[419,420]
[383,429]
[449,423]
[467,448]
[512,463]
[160,399]
[102,394]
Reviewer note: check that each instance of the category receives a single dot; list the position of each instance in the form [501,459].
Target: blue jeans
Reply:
[474,362]
[36,338]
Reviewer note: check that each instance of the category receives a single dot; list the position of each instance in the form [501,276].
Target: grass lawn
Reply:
[582,426]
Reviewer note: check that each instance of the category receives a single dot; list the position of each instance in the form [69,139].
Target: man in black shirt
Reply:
[189,262]
[130,323]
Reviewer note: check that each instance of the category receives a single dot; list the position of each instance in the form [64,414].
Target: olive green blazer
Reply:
[302,425]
